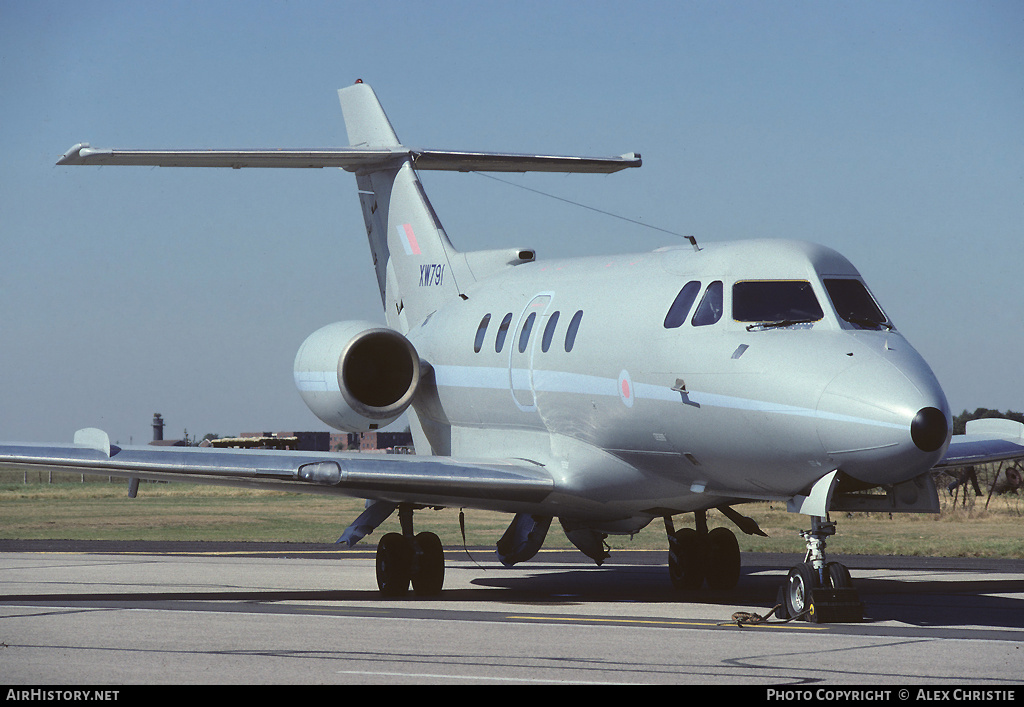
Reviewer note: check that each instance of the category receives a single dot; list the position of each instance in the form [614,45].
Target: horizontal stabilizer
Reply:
[508,162]
[349,158]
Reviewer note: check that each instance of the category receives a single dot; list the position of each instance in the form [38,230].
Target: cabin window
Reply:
[855,304]
[709,310]
[481,332]
[524,335]
[680,308]
[499,341]
[775,302]
[570,332]
[549,332]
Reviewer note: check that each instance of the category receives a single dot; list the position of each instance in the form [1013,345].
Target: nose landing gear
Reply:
[816,590]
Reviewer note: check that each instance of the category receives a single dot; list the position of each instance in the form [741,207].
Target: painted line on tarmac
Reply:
[658,622]
[480,678]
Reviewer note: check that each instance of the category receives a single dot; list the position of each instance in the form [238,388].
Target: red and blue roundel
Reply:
[626,394]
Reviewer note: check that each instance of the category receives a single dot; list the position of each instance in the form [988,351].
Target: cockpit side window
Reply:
[855,305]
[710,308]
[680,308]
[775,302]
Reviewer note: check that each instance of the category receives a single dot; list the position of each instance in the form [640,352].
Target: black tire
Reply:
[394,565]
[837,576]
[723,559]
[686,553]
[797,590]
[429,577]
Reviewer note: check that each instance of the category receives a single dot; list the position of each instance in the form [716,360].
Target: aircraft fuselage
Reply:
[641,412]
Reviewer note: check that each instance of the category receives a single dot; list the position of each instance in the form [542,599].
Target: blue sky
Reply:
[890,131]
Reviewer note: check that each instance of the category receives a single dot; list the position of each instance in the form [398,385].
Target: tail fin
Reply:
[411,252]
[365,122]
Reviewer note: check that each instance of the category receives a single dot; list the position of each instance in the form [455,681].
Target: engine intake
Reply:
[357,376]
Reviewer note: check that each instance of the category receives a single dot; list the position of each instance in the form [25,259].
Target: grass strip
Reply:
[73,510]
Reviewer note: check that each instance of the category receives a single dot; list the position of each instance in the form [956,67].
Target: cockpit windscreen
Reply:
[854,303]
[775,302]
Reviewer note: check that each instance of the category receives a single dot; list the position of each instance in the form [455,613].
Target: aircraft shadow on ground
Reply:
[969,602]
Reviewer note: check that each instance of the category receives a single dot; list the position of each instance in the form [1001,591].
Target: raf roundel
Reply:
[626,389]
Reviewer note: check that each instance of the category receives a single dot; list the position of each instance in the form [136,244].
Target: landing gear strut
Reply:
[406,558]
[699,555]
[817,590]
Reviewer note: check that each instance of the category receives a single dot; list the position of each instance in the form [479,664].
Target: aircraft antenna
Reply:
[692,240]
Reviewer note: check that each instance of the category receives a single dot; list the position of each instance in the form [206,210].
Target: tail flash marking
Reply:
[408,237]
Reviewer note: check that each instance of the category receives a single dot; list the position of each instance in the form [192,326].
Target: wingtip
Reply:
[94,438]
[74,155]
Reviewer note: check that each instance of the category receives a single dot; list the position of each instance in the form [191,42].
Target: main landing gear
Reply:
[406,558]
[816,590]
[696,555]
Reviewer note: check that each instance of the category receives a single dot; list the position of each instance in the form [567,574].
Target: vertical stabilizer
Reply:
[411,252]
[365,121]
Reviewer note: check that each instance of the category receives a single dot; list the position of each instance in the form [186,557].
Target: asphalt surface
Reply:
[264,613]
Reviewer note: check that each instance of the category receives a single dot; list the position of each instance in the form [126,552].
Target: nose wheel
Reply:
[817,590]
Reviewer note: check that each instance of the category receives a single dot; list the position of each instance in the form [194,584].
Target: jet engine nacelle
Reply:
[357,376]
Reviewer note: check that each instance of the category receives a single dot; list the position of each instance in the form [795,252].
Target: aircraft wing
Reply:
[349,158]
[396,478]
[985,440]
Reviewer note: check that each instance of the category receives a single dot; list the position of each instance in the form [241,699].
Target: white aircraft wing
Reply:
[397,478]
[986,440]
[349,158]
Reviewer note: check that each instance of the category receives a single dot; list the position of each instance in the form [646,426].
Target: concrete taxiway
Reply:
[147,613]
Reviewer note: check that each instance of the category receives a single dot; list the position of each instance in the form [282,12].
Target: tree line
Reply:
[960,421]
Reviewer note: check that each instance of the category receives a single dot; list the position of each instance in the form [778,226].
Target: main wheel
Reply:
[723,559]
[429,576]
[394,565]
[686,552]
[797,591]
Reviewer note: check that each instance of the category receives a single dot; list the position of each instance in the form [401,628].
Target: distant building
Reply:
[168,443]
[384,441]
[371,441]
[158,434]
[306,441]
[320,441]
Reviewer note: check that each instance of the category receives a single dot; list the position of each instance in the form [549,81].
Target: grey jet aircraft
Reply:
[733,372]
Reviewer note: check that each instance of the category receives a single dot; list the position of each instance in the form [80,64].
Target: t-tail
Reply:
[418,270]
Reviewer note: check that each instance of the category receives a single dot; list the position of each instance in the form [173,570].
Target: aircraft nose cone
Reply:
[929,429]
[884,420]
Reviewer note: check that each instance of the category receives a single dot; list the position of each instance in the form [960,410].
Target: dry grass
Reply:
[102,511]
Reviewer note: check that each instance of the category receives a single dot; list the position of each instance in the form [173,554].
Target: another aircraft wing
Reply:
[349,158]
[985,440]
[396,478]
